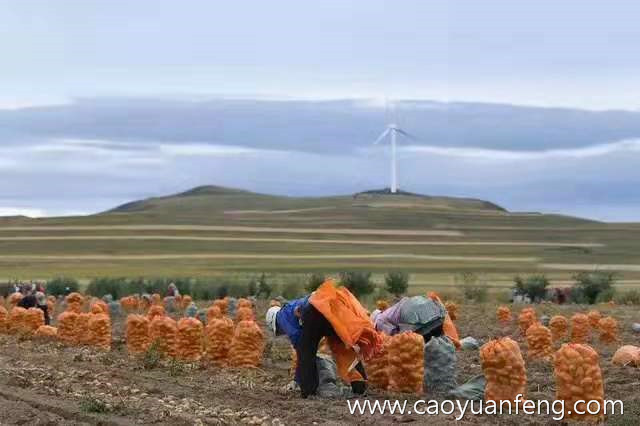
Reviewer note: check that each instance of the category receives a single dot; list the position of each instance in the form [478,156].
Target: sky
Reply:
[525,103]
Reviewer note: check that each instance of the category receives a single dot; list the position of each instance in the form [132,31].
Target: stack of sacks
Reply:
[189,339]
[17,317]
[378,366]
[218,336]
[627,355]
[504,370]
[452,310]
[75,302]
[33,319]
[608,327]
[579,328]
[82,334]
[559,326]
[14,299]
[247,345]
[406,368]
[578,377]
[163,331]
[4,319]
[223,304]
[539,342]
[137,334]
[100,331]
[594,318]
[67,327]
[244,314]
[504,315]
[526,319]
[46,331]
[155,311]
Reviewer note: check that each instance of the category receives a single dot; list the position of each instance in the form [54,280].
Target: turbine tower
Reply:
[392,131]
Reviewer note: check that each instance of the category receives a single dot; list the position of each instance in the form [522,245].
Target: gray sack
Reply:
[439,365]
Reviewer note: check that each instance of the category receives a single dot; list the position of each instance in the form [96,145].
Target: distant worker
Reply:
[426,316]
[333,313]
[173,291]
[41,301]
[28,300]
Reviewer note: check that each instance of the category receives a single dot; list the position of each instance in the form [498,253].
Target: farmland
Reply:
[213,231]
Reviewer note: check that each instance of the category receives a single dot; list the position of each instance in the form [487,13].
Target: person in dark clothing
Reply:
[28,301]
[41,300]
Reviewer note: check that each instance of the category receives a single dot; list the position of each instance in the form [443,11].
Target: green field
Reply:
[213,231]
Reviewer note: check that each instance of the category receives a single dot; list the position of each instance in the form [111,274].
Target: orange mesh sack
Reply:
[608,327]
[74,307]
[189,339]
[452,310]
[539,342]
[378,366]
[17,320]
[504,370]
[559,326]
[223,304]
[137,334]
[578,377]
[164,333]
[67,327]
[156,299]
[406,362]
[244,314]
[14,299]
[185,301]
[503,314]
[155,311]
[627,355]
[4,319]
[579,328]
[99,307]
[213,312]
[75,298]
[46,331]
[526,319]
[81,331]
[100,331]
[218,336]
[247,345]
[33,319]
[382,305]
[129,303]
[244,303]
[594,318]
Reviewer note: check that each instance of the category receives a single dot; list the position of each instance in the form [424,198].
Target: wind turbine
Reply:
[392,130]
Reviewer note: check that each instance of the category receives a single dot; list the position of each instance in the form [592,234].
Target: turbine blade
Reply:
[382,136]
[406,135]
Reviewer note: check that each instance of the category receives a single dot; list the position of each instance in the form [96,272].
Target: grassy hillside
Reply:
[213,230]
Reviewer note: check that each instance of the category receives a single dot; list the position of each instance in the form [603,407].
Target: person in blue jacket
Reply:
[305,326]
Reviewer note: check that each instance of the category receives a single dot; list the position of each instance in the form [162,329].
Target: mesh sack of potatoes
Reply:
[74,306]
[99,307]
[186,301]
[608,327]
[247,345]
[218,335]
[559,326]
[14,299]
[503,314]
[156,299]
[16,320]
[440,361]
[594,318]
[223,304]
[190,335]
[539,342]
[244,314]
[244,303]
[75,298]
[46,331]
[81,332]
[578,377]
[213,312]
[100,331]
[378,366]
[163,332]
[137,334]
[504,370]
[627,355]
[67,327]
[33,319]
[4,319]
[129,303]
[452,309]
[579,328]
[406,368]
[155,311]
[526,319]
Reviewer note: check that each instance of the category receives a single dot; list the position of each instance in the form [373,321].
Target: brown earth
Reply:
[48,383]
